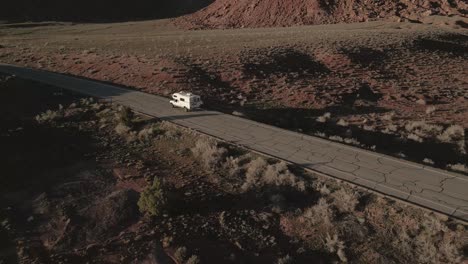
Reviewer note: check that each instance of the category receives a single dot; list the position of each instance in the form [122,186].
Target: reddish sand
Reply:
[269,13]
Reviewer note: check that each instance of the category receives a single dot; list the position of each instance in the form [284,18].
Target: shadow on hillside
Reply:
[97,11]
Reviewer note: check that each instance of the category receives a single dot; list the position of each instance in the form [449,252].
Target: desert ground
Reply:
[399,88]
[87,181]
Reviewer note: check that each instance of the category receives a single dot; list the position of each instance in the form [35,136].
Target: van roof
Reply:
[182,93]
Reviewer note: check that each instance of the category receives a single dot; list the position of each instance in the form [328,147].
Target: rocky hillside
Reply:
[97,11]
[268,13]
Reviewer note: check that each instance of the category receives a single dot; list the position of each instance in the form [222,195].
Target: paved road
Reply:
[435,189]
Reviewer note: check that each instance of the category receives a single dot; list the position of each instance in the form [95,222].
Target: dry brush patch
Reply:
[353,226]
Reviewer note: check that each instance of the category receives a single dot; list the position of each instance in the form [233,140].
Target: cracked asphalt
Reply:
[435,189]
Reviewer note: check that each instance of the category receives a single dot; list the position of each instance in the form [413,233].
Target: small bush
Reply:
[125,116]
[148,132]
[121,129]
[345,201]
[193,260]
[180,254]
[335,245]
[50,116]
[152,199]
[285,260]
[209,152]
[458,167]
[423,130]
[324,118]
[342,123]
[454,134]
[430,110]
[260,173]
[320,213]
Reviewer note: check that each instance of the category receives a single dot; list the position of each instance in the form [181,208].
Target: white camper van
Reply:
[187,101]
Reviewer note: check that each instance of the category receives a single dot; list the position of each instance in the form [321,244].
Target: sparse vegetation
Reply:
[324,118]
[335,245]
[193,260]
[125,116]
[180,254]
[209,152]
[50,116]
[345,200]
[152,199]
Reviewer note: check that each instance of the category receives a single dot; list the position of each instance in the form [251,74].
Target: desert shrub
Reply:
[428,161]
[454,134]
[319,213]
[344,200]
[415,138]
[50,116]
[335,245]
[148,132]
[193,260]
[152,199]
[121,129]
[458,167]
[259,174]
[125,116]
[211,155]
[388,116]
[180,254]
[254,173]
[422,129]
[416,237]
[324,118]
[285,260]
[342,123]
[322,188]
[336,138]
[430,109]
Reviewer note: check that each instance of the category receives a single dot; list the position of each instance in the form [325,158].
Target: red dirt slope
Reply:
[270,13]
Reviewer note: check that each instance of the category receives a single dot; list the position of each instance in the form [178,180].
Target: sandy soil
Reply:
[375,79]
[276,13]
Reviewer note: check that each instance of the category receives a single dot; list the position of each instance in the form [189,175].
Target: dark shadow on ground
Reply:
[304,121]
[97,11]
[293,63]
[452,44]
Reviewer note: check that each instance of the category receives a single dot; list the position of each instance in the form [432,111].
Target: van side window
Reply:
[182,99]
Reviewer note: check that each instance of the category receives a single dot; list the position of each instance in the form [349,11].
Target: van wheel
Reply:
[173,106]
[186,109]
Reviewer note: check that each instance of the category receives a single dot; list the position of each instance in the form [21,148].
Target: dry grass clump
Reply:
[285,260]
[210,153]
[454,134]
[50,116]
[458,167]
[260,173]
[335,245]
[345,200]
[125,116]
[324,118]
[250,173]
[180,254]
[416,237]
[342,123]
[194,259]
[430,110]
[149,132]
[421,129]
